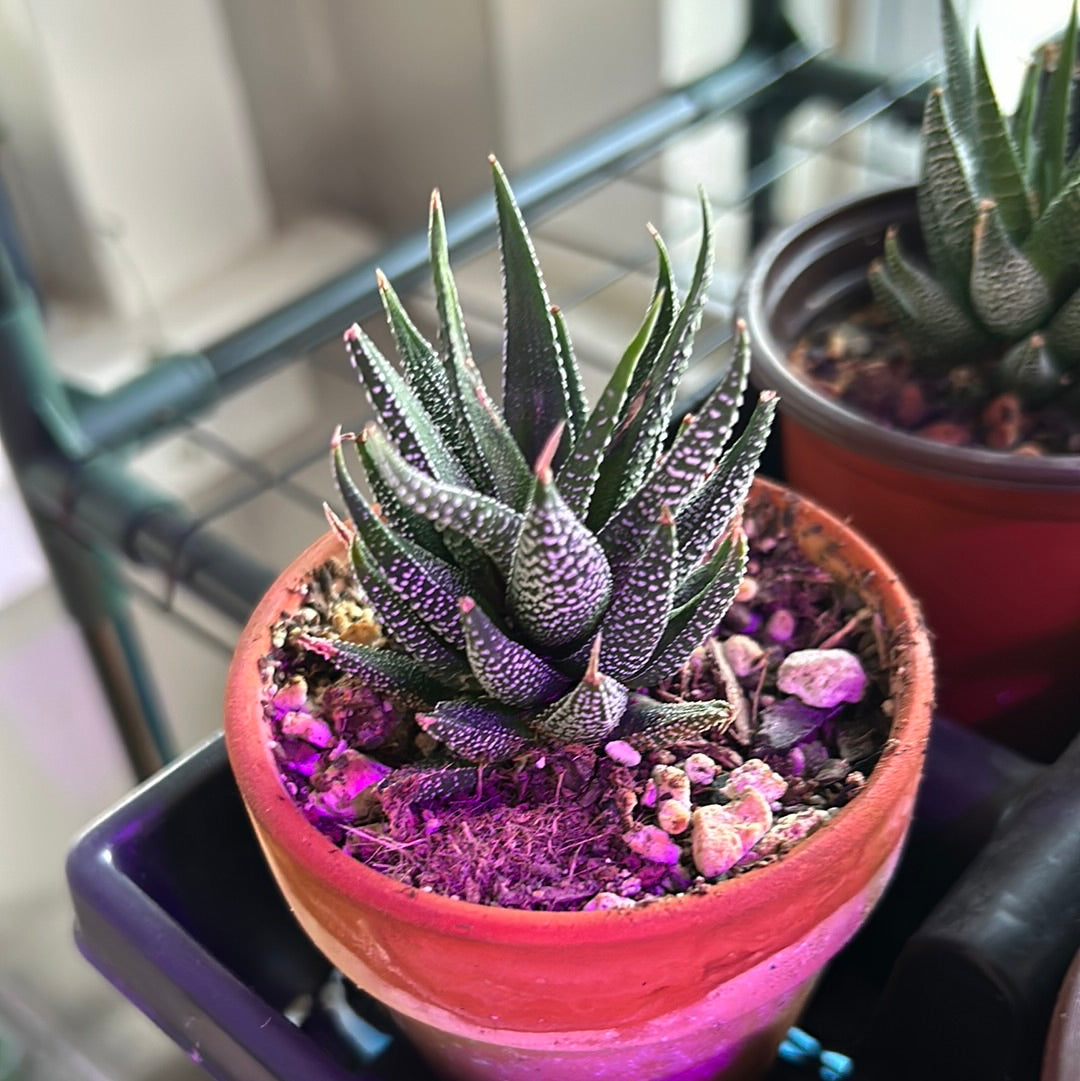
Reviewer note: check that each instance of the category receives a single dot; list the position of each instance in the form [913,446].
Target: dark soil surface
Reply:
[866,364]
[554,828]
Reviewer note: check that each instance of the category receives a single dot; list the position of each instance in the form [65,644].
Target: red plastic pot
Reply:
[988,542]
[691,987]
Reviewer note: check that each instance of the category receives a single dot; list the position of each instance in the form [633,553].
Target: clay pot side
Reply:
[987,541]
[695,986]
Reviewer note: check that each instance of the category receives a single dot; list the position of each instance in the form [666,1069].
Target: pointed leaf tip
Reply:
[466,604]
[592,669]
[352,333]
[547,453]
[381,280]
[341,530]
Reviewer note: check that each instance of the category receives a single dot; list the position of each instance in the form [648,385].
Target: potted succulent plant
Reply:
[508,774]
[924,342]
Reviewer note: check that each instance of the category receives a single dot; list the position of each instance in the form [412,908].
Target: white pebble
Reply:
[605,900]
[742,653]
[671,783]
[673,817]
[715,843]
[653,844]
[758,775]
[700,768]
[618,750]
[822,678]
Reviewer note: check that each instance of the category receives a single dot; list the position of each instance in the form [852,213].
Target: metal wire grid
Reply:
[599,263]
[760,135]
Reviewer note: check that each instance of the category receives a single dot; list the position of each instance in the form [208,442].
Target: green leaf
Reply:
[959,79]
[560,581]
[575,389]
[1063,334]
[1030,370]
[1054,243]
[506,669]
[578,474]
[475,729]
[404,418]
[1009,295]
[589,712]
[535,383]
[1024,133]
[401,622]
[639,438]
[384,671]
[484,521]
[999,167]
[946,200]
[641,603]
[695,620]
[686,464]
[1054,119]
[923,309]
[650,725]
[422,366]
[666,291]
[709,514]
[427,583]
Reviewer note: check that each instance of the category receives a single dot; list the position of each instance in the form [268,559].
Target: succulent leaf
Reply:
[1001,173]
[507,670]
[404,520]
[420,361]
[1009,294]
[575,390]
[925,310]
[426,583]
[400,412]
[560,581]
[959,77]
[1051,147]
[403,623]
[1054,243]
[639,439]
[1063,333]
[641,603]
[589,712]
[578,475]
[385,671]
[710,512]
[692,623]
[484,521]
[666,291]
[650,725]
[476,729]
[1029,369]
[535,383]
[946,200]
[685,466]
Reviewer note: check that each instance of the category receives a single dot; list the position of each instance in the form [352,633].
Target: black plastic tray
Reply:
[176,907]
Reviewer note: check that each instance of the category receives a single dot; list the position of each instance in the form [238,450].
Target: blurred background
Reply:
[170,171]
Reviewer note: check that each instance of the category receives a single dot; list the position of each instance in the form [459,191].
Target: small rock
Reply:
[780,626]
[605,900]
[1001,421]
[671,783]
[715,843]
[757,775]
[750,816]
[910,405]
[700,768]
[618,750]
[653,844]
[747,591]
[743,653]
[300,725]
[673,817]
[350,775]
[293,695]
[822,677]
[948,432]
[787,831]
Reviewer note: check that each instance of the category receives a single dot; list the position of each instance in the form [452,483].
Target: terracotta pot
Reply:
[689,987]
[989,542]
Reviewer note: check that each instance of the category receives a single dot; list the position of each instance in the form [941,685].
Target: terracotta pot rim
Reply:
[257,777]
[800,244]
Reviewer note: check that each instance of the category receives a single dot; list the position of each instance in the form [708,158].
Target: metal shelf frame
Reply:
[70,451]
